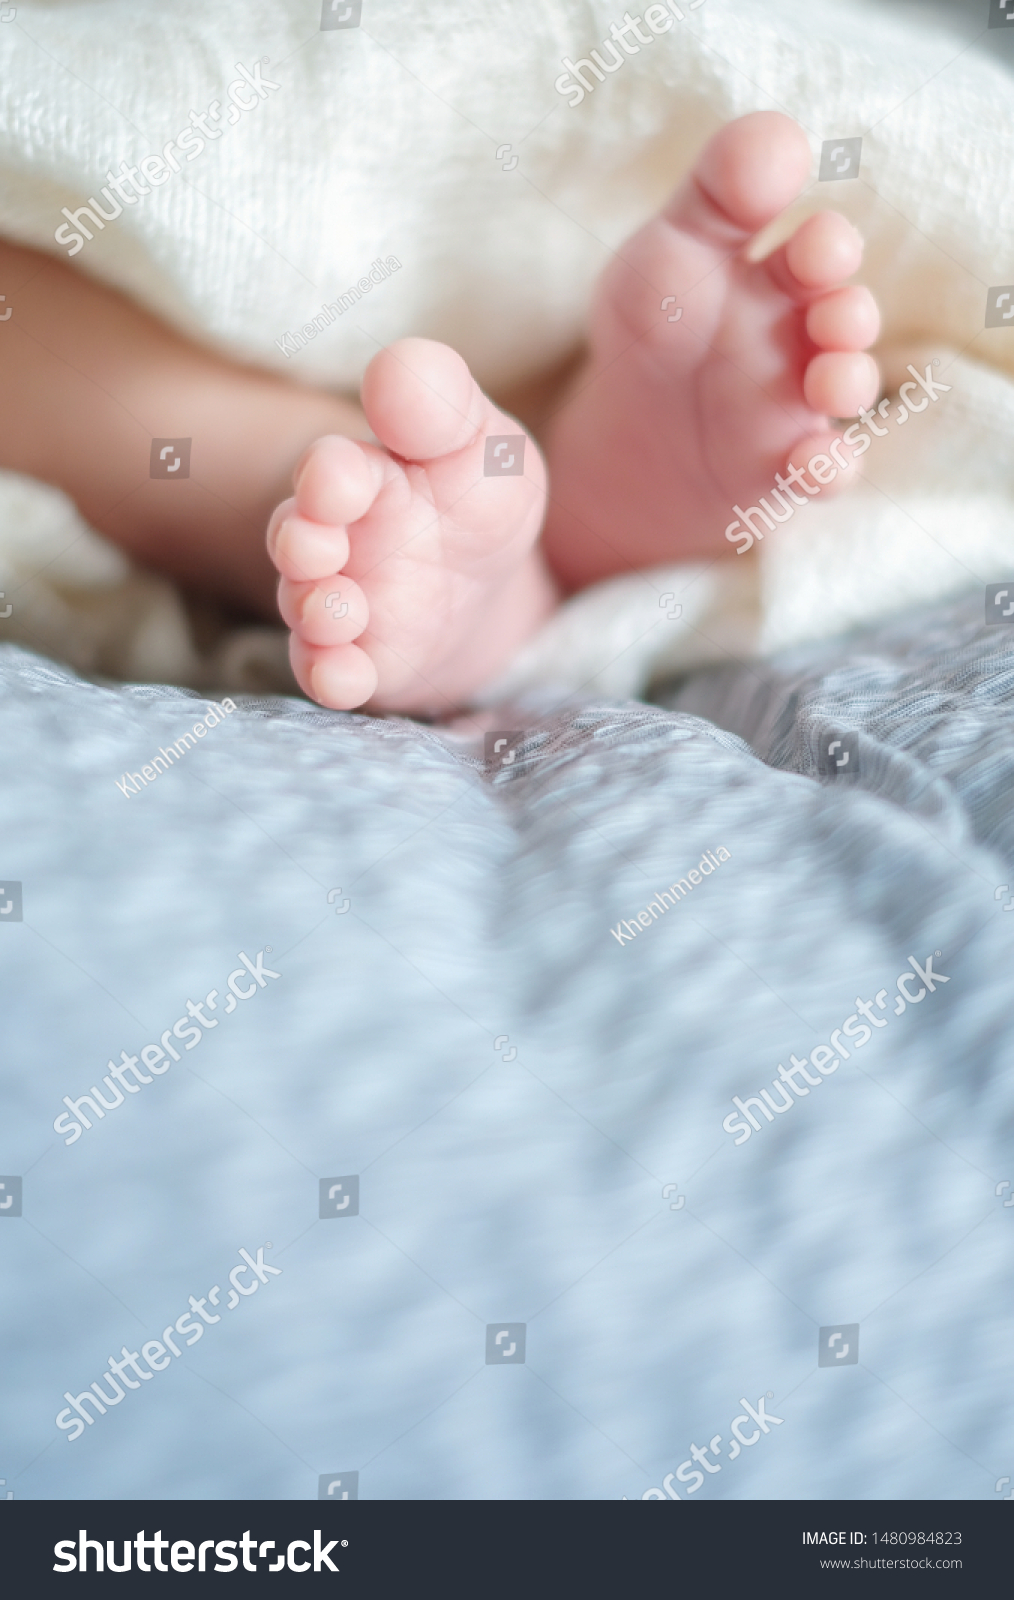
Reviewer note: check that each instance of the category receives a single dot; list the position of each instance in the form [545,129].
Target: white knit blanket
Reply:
[447,139]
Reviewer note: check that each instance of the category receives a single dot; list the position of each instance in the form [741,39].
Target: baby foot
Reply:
[409,574]
[709,371]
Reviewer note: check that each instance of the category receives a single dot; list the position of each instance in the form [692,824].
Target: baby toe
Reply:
[341,678]
[304,550]
[330,613]
[845,319]
[337,480]
[421,400]
[822,456]
[823,251]
[840,383]
[749,172]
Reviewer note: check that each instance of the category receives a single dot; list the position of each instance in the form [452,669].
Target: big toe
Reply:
[748,173]
[421,400]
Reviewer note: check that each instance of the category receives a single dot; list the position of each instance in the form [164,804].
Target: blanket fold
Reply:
[247,175]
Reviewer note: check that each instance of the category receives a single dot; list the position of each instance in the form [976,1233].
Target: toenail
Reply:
[320,688]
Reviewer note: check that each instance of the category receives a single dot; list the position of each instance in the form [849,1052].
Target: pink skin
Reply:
[695,416]
[665,428]
[436,562]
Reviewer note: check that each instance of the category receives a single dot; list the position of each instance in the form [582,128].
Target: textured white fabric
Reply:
[388,140]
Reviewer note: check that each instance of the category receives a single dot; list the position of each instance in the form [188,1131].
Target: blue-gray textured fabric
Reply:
[533,1107]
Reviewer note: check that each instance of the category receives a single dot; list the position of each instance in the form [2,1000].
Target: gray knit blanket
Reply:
[658,1052]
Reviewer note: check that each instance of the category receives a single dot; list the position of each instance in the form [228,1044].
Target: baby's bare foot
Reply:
[421,552]
[687,408]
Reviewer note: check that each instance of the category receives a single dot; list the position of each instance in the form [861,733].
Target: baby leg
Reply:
[88,380]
